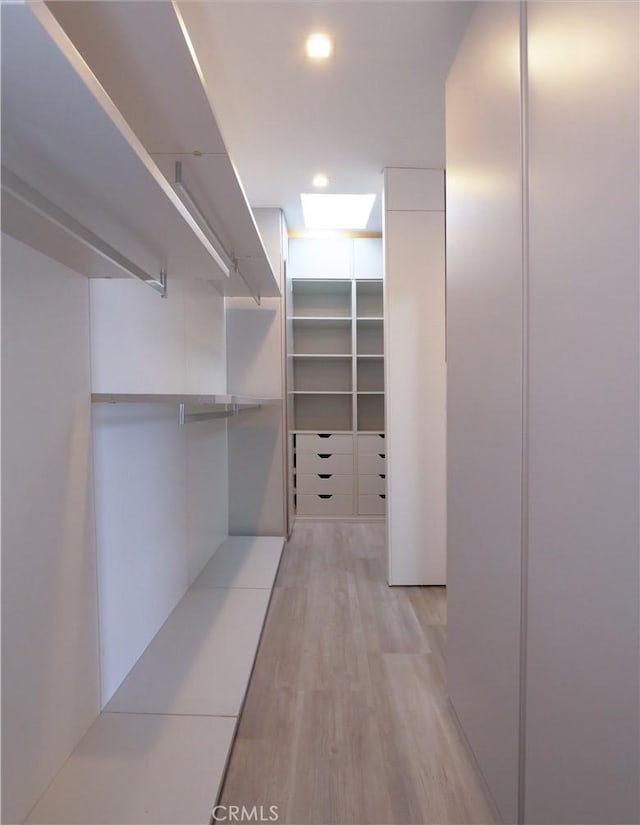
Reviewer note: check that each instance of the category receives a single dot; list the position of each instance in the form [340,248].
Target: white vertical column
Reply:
[484,394]
[415,376]
[583,626]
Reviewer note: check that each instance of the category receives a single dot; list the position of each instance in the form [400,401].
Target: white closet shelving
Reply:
[336,370]
[145,61]
[83,181]
[114,165]
[215,629]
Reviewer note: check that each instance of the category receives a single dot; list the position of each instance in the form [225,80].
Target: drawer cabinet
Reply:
[325,483]
[372,484]
[371,444]
[323,463]
[372,505]
[372,464]
[324,443]
[324,504]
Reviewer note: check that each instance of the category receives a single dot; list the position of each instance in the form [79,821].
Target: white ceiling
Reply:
[379,102]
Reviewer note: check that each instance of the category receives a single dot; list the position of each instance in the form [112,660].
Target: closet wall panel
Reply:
[50,681]
[161,489]
[484,393]
[583,625]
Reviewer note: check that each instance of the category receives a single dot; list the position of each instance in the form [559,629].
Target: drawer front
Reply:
[324,443]
[372,484]
[371,444]
[372,505]
[325,483]
[372,465]
[324,463]
[332,505]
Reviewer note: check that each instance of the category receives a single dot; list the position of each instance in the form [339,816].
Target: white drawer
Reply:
[324,463]
[329,505]
[371,444]
[372,464]
[372,484]
[324,443]
[325,483]
[372,505]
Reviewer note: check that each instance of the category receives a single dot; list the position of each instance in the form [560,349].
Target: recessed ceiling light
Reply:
[319,46]
[320,181]
[336,211]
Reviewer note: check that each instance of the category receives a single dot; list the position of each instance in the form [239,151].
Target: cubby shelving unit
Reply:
[336,372]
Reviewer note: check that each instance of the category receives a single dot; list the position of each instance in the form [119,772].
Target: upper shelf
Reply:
[68,146]
[144,59]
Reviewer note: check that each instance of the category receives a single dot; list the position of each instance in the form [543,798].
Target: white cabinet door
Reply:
[367,258]
[320,258]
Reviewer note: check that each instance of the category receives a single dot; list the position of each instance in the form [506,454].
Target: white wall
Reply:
[255,363]
[161,490]
[415,375]
[50,681]
[544,373]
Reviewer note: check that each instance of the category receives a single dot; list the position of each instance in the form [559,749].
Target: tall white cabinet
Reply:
[336,377]
[543,410]
[415,372]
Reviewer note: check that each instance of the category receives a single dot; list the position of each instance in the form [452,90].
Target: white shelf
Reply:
[243,561]
[142,768]
[311,355]
[365,355]
[370,392]
[64,138]
[211,632]
[320,392]
[71,141]
[195,400]
[321,318]
[323,281]
[315,431]
[144,60]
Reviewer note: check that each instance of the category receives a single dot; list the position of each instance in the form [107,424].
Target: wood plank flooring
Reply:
[346,719]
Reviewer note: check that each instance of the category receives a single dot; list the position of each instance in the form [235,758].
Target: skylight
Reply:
[336,211]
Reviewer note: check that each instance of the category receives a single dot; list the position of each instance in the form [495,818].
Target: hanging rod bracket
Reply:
[225,259]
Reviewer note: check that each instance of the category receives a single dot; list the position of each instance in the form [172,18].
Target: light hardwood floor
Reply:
[346,719]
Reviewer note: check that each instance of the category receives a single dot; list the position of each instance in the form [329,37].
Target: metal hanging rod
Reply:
[230,412]
[19,189]
[226,260]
